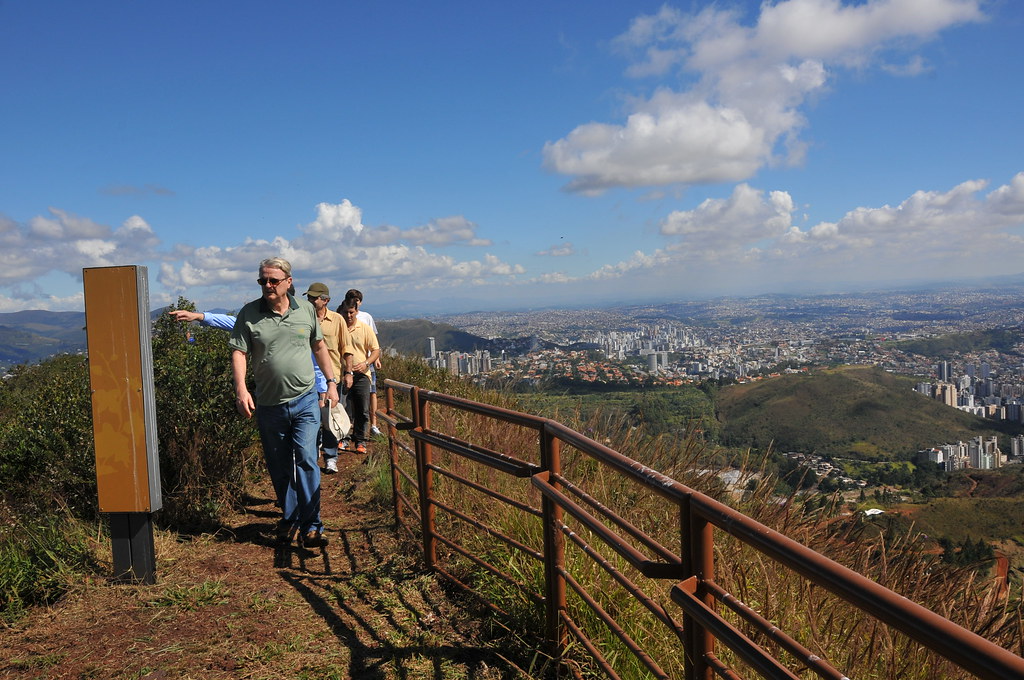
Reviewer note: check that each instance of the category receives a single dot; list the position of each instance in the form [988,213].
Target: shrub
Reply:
[205,446]
[46,446]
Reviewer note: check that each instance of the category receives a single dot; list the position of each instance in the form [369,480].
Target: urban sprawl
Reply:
[758,338]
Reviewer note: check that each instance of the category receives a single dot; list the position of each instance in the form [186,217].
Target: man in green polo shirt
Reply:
[276,332]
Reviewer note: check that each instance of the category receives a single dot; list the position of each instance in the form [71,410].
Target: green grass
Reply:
[660,410]
[40,561]
[190,598]
[992,519]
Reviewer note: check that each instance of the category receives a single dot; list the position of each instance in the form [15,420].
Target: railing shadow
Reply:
[384,614]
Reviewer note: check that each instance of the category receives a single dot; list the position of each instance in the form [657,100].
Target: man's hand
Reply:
[347,381]
[245,404]
[332,393]
[185,315]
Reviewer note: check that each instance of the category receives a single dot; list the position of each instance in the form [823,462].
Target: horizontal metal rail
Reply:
[692,570]
[528,509]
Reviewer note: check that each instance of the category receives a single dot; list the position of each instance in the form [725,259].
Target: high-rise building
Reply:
[652,362]
[945,371]
[947,394]
[431,348]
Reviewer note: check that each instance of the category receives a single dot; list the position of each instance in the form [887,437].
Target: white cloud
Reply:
[932,233]
[37,299]
[671,139]
[744,218]
[343,223]
[441,232]
[63,242]
[563,249]
[339,249]
[336,221]
[742,109]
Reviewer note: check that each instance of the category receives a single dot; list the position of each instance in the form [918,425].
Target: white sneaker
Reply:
[375,429]
[332,466]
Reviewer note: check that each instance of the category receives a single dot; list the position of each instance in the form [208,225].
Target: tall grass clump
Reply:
[852,641]
[41,558]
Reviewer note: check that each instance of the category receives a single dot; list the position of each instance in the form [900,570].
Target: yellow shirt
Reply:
[337,339]
[363,342]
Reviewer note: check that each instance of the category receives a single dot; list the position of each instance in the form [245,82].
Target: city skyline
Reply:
[467,157]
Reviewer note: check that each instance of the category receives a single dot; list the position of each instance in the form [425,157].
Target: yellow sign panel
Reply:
[121,375]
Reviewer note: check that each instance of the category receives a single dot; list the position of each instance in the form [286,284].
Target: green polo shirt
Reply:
[278,347]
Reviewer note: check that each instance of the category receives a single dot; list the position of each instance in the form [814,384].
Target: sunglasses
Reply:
[272,282]
[311,298]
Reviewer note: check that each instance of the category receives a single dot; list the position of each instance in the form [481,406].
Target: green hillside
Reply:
[31,335]
[409,336]
[955,344]
[853,411]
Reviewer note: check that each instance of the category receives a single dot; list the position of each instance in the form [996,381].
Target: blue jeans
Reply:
[288,433]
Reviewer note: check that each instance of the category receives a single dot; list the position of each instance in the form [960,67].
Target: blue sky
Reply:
[466,155]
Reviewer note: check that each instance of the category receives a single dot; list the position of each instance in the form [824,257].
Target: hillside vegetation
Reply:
[32,335]
[948,346]
[852,411]
[659,410]
[410,336]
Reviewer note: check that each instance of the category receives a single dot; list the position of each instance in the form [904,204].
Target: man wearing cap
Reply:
[339,348]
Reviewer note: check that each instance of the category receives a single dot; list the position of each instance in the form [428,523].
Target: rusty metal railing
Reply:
[628,557]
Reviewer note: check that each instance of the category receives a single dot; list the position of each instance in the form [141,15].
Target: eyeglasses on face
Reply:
[313,298]
[265,280]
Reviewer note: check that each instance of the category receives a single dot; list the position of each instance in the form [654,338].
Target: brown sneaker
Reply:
[314,539]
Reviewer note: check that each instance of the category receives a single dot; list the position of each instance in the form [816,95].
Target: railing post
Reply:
[421,422]
[554,552]
[697,552]
[396,479]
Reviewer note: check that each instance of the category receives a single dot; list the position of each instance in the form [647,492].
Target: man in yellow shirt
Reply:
[365,351]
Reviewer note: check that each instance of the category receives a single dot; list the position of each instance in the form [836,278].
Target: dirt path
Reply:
[234,606]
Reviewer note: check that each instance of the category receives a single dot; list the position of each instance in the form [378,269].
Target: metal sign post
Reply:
[124,414]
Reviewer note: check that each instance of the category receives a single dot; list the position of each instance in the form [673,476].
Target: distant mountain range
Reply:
[35,334]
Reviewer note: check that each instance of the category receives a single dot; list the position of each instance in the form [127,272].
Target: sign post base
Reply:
[131,538]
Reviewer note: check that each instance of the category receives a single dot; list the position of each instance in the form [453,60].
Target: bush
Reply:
[46,443]
[205,447]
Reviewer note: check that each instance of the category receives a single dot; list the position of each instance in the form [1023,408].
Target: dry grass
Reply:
[852,641]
